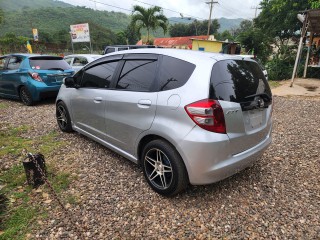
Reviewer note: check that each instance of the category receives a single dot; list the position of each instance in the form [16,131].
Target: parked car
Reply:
[77,61]
[31,77]
[116,48]
[185,116]
[253,57]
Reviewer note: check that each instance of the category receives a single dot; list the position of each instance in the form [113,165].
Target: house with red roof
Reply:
[176,42]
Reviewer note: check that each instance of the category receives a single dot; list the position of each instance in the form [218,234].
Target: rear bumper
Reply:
[42,91]
[211,161]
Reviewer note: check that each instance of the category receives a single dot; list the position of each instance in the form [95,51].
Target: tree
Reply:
[224,36]
[244,26]
[195,28]
[278,19]
[255,42]
[132,34]
[150,18]
[279,24]
[314,4]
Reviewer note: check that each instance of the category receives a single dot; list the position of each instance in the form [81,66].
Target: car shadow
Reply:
[47,101]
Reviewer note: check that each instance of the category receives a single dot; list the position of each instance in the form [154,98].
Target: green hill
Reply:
[52,20]
[225,23]
[16,5]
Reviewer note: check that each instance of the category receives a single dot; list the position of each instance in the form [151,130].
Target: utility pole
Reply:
[95,4]
[256,10]
[209,22]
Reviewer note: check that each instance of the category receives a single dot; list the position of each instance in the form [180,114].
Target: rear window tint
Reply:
[49,64]
[235,80]
[174,73]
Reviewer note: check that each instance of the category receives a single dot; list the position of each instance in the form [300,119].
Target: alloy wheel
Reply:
[62,116]
[158,168]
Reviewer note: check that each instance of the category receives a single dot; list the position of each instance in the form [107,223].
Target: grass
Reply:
[3,105]
[18,203]
[21,212]
[274,84]
[13,143]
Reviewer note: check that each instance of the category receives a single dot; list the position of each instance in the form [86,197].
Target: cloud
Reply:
[195,8]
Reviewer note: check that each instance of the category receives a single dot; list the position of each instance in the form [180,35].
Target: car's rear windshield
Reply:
[48,63]
[237,80]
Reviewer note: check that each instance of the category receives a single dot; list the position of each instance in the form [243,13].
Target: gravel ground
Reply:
[277,198]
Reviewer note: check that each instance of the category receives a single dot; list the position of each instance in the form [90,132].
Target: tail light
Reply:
[35,76]
[207,114]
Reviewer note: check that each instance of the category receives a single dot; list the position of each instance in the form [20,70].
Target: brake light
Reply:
[35,76]
[207,114]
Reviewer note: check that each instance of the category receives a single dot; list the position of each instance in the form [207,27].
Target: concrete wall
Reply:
[207,46]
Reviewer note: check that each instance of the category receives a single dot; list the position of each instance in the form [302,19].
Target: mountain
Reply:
[16,5]
[52,20]
[225,23]
[228,24]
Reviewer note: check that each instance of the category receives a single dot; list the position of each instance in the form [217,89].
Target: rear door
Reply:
[245,97]
[132,101]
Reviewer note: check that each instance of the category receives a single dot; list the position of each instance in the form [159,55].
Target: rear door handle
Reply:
[144,103]
[97,99]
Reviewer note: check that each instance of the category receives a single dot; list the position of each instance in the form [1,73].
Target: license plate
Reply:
[255,118]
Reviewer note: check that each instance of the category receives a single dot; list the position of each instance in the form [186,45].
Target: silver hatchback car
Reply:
[184,116]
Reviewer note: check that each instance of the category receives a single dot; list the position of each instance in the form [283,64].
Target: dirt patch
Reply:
[301,87]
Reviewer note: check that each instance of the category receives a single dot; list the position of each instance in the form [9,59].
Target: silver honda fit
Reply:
[184,116]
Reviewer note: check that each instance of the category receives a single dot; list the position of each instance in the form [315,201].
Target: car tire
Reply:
[63,117]
[163,168]
[25,96]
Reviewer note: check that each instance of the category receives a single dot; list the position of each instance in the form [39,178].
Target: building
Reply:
[213,45]
[197,43]
[175,42]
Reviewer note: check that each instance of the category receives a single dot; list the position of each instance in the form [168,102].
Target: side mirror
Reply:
[69,82]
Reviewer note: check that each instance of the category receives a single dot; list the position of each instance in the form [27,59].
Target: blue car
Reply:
[32,77]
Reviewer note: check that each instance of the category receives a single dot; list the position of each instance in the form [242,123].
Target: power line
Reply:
[111,5]
[170,10]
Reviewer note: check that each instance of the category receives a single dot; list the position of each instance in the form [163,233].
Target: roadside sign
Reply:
[35,34]
[80,33]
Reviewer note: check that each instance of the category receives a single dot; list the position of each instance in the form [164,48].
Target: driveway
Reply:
[277,198]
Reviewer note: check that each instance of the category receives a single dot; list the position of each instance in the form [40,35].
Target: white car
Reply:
[77,61]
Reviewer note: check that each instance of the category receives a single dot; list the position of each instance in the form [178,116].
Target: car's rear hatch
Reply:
[51,69]
[246,99]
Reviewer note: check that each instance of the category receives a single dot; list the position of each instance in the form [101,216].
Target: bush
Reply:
[280,68]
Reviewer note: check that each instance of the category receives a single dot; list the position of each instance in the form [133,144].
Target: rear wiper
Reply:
[264,96]
[56,69]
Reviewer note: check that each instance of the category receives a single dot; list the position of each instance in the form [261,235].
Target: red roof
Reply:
[175,41]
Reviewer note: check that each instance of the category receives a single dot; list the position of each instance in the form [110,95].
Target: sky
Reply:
[175,8]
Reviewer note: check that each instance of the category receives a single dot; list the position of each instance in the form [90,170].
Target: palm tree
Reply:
[149,18]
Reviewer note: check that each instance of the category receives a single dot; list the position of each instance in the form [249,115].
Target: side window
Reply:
[110,50]
[99,76]
[68,60]
[14,63]
[174,73]
[137,75]
[79,61]
[122,48]
[3,61]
